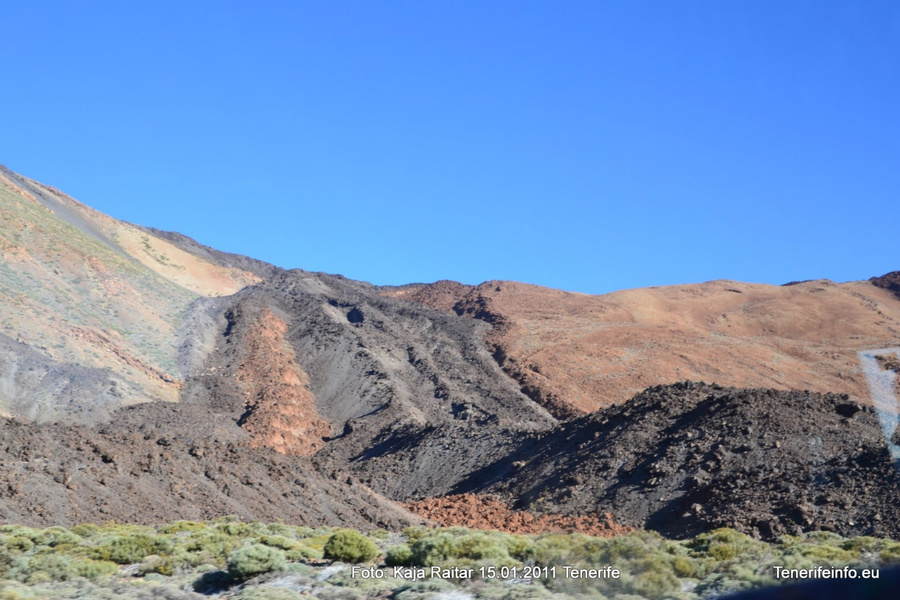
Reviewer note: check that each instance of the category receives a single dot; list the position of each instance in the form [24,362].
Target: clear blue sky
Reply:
[588,146]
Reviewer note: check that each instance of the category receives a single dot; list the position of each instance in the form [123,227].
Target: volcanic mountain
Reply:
[144,376]
[575,353]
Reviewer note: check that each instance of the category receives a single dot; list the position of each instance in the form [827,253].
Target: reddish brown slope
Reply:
[577,352]
[281,410]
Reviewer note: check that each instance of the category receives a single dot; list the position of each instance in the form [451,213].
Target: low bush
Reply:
[19,543]
[95,569]
[85,530]
[130,549]
[55,536]
[278,541]
[398,556]
[350,546]
[460,547]
[255,560]
[181,526]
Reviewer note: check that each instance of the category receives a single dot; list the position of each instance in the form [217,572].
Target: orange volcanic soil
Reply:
[577,352]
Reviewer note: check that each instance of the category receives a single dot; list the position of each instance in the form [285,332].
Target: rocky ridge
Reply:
[692,457]
[574,353]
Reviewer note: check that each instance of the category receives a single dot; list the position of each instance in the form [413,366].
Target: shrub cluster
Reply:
[91,560]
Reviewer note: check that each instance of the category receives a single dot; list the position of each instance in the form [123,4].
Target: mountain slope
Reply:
[98,303]
[318,399]
[575,353]
[690,457]
[409,397]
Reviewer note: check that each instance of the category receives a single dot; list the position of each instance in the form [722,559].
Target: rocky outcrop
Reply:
[692,457]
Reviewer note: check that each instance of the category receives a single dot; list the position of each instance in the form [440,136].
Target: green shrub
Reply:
[278,541]
[824,537]
[350,546]
[519,546]
[161,565]
[55,536]
[432,550]
[235,529]
[727,544]
[398,556]
[211,546]
[130,549]
[94,569]
[459,546]
[721,584]
[282,529]
[85,530]
[684,567]
[555,549]
[654,580]
[180,526]
[891,553]
[255,560]
[49,567]
[414,534]
[615,550]
[479,546]
[301,553]
[823,553]
[19,543]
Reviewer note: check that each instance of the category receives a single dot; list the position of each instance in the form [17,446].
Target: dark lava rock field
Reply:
[691,457]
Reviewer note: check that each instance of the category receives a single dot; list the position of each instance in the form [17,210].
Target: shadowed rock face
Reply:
[693,457]
[889,282]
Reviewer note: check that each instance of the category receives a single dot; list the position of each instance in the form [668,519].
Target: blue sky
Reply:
[589,146]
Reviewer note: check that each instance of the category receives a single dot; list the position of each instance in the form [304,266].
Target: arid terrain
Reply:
[145,377]
[575,353]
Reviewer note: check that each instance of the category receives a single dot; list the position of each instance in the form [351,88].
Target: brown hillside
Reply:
[280,410]
[577,351]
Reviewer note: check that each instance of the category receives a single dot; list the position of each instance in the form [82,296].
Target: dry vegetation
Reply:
[275,561]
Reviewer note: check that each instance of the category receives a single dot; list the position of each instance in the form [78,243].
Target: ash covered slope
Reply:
[409,398]
[97,313]
[691,457]
[312,398]
[91,308]
[575,353]
[158,462]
